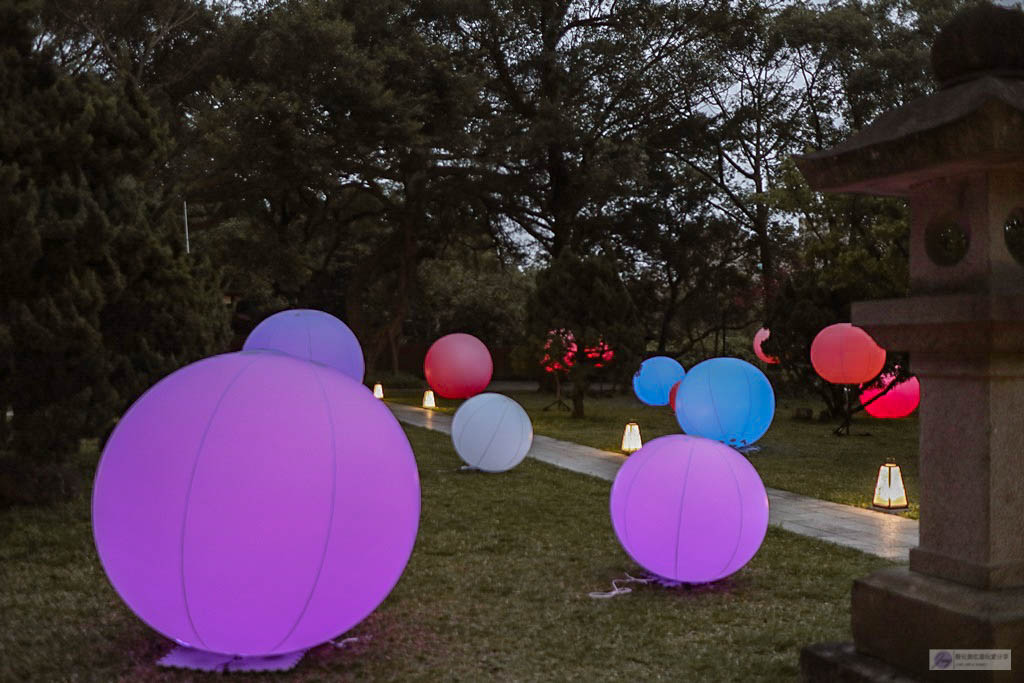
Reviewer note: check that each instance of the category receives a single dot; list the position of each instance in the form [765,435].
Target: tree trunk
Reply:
[577,400]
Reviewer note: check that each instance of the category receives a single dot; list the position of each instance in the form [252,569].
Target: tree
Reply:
[854,61]
[98,301]
[571,91]
[329,162]
[584,299]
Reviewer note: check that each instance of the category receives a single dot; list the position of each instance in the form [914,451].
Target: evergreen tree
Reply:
[98,302]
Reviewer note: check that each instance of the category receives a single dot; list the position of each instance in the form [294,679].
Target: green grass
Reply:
[799,456]
[496,589]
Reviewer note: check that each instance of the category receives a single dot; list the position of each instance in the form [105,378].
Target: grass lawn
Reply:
[799,456]
[496,589]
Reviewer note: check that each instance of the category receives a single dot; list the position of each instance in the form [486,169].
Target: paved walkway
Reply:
[878,533]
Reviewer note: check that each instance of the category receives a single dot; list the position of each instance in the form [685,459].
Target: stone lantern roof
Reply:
[974,121]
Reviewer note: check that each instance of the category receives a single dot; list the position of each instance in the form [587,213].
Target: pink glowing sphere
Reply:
[310,335]
[900,401]
[760,337]
[255,504]
[846,354]
[458,366]
[689,509]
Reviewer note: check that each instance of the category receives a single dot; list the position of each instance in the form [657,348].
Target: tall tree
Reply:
[571,92]
[582,300]
[332,159]
[854,61]
[97,301]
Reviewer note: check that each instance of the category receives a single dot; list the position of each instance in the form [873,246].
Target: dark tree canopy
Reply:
[99,300]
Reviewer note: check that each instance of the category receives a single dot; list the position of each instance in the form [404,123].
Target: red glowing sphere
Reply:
[846,354]
[458,366]
[672,395]
[759,338]
[900,401]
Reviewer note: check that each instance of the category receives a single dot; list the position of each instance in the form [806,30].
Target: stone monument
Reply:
[957,156]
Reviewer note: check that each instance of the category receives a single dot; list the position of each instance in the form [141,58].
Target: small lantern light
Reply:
[428,399]
[889,491]
[378,390]
[631,438]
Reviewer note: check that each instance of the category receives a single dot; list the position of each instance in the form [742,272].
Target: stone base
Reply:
[899,615]
[840,663]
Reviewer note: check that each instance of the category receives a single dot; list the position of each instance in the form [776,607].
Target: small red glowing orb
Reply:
[458,366]
[900,401]
[760,337]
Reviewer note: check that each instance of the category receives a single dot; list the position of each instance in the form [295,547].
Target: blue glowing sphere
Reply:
[727,400]
[655,378]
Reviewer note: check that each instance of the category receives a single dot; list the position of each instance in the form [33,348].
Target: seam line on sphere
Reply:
[842,360]
[309,338]
[739,533]
[466,420]
[625,505]
[682,502]
[188,491]
[330,515]
[269,345]
[494,435]
[519,444]
[714,407]
[750,403]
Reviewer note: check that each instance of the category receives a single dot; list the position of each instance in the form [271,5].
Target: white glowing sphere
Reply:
[492,432]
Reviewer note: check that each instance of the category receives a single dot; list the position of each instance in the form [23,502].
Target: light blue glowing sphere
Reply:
[727,400]
[654,380]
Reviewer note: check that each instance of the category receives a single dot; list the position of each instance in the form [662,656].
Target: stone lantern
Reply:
[957,156]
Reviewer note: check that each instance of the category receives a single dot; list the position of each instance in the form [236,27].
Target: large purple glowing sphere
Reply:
[310,335]
[255,504]
[689,509]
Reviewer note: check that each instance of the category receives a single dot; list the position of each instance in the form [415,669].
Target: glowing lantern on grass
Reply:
[899,401]
[689,509]
[889,491]
[727,400]
[310,335]
[428,399]
[236,511]
[760,337]
[846,354]
[458,366]
[653,381]
[631,441]
[378,390]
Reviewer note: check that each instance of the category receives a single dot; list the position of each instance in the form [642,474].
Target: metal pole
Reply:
[186,229]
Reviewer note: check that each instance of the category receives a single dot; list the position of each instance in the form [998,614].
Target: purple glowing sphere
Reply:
[310,335]
[689,509]
[255,504]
